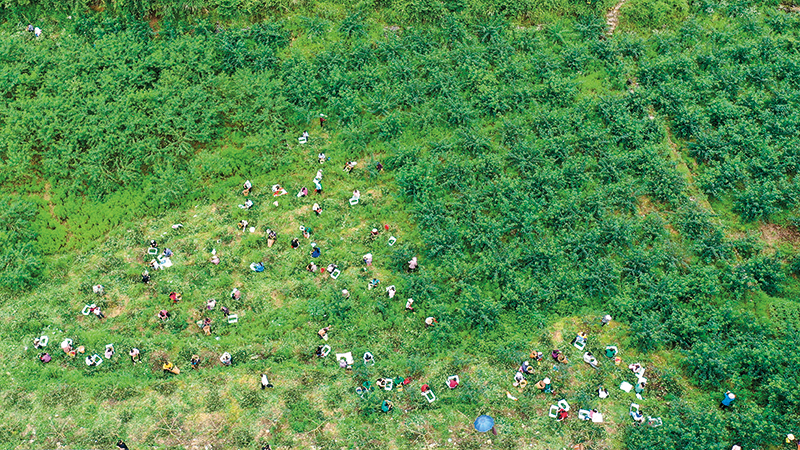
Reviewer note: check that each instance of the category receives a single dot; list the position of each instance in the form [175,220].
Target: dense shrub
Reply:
[541,176]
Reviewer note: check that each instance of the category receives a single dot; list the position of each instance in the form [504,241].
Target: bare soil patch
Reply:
[612,18]
[774,234]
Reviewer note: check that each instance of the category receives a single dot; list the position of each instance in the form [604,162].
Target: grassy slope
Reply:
[313,402]
[280,312]
[777,235]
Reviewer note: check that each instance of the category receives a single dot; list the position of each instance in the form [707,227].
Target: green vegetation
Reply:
[543,172]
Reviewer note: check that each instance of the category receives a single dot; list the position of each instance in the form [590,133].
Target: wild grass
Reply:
[541,174]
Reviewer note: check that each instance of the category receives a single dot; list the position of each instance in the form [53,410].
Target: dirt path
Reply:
[694,190]
[46,195]
[612,18]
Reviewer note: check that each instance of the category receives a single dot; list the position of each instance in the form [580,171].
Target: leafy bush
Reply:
[541,176]
[758,202]
[653,15]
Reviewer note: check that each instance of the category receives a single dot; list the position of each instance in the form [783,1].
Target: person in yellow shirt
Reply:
[169,367]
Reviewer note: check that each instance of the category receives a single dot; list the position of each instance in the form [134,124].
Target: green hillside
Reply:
[547,163]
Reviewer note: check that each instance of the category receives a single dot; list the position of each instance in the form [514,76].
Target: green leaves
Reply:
[490,31]
[685,427]
[472,141]
[424,11]
[540,185]
[758,202]
[590,26]
[21,266]
[481,313]
[353,26]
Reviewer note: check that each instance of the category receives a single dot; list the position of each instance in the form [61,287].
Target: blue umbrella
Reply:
[484,423]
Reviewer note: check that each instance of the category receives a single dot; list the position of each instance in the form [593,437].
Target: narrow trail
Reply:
[697,194]
[612,18]
[47,196]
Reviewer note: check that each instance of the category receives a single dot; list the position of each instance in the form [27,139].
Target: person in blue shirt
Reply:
[727,400]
